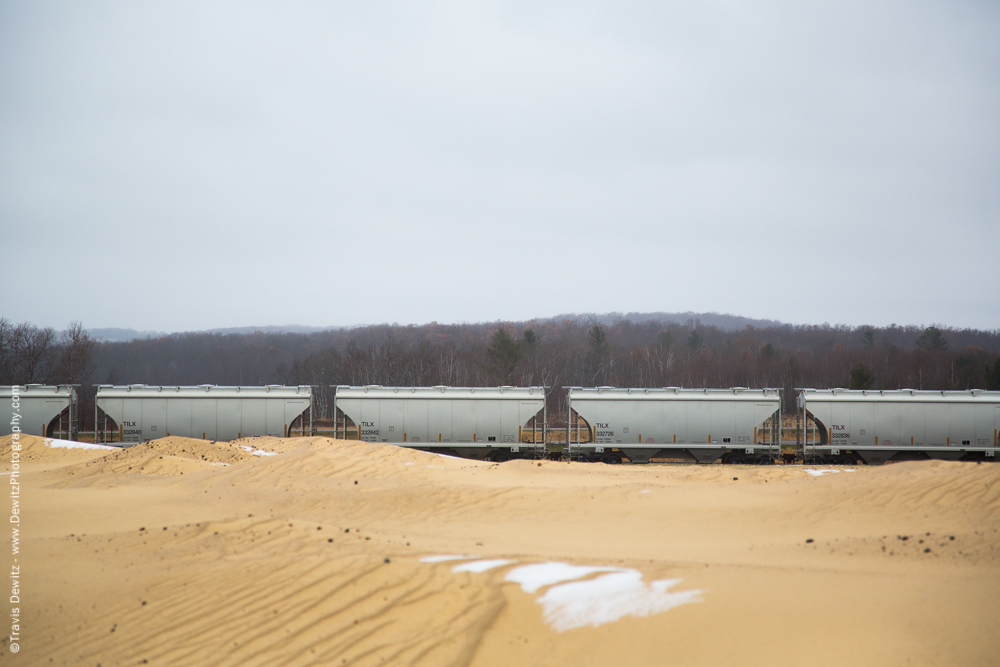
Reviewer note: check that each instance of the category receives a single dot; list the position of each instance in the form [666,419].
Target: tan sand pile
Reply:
[335,553]
[33,449]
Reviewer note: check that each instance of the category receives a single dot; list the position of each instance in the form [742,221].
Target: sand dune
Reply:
[188,552]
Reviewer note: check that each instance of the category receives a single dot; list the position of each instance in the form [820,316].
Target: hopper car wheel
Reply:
[734,459]
[613,459]
[763,460]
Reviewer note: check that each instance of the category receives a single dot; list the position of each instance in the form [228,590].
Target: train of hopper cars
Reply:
[737,425]
[608,424]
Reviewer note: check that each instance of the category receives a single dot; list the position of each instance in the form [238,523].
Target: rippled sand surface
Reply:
[188,552]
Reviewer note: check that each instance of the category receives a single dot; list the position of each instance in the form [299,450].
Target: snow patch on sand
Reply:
[73,444]
[609,598]
[539,575]
[445,558]
[481,565]
[819,472]
[569,604]
[257,452]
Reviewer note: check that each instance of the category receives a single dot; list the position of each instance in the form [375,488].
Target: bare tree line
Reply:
[30,354]
[554,353]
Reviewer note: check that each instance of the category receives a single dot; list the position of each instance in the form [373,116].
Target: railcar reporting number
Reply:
[368,430]
[603,432]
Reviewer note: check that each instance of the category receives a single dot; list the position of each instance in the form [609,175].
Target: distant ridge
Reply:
[285,328]
[724,322]
[117,334]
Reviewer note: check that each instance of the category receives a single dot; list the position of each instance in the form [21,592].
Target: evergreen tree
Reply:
[867,336]
[993,376]
[932,339]
[504,353]
[862,377]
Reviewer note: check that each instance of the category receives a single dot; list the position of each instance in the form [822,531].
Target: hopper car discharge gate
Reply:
[142,412]
[905,424]
[701,425]
[49,411]
[495,423]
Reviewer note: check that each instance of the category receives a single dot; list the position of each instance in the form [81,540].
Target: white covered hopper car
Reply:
[904,424]
[699,424]
[143,412]
[45,410]
[472,422]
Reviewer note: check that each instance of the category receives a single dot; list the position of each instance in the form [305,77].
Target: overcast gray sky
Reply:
[178,166]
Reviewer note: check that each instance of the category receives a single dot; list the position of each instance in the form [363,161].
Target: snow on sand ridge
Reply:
[73,444]
[569,604]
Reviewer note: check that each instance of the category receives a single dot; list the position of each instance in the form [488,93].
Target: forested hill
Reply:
[722,321]
[576,351]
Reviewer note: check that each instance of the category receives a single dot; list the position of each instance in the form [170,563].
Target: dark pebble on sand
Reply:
[809,541]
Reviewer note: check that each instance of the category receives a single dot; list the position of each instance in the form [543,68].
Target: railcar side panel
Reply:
[649,423]
[130,425]
[229,419]
[510,420]
[905,423]
[723,422]
[938,423]
[216,413]
[370,425]
[416,412]
[985,424]
[488,422]
[469,421]
[464,420]
[39,406]
[642,422]
[204,420]
[179,413]
[253,419]
[441,414]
